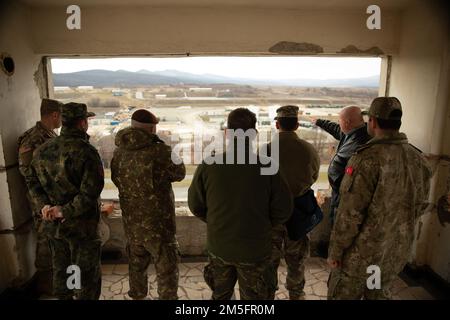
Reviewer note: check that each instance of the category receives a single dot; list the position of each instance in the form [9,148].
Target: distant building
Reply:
[85,88]
[200,89]
[117,92]
[139,95]
[61,88]
[160,96]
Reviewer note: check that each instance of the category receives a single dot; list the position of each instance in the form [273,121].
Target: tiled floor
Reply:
[192,286]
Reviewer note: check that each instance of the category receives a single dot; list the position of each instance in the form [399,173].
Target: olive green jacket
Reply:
[299,162]
[240,207]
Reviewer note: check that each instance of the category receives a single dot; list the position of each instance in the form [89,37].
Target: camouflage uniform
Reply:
[143,170]
[67,172]
[256,280]
[295,254]
[300,164]
[28,143]
[383,193]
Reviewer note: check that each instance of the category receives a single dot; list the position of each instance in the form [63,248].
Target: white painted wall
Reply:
[420,79]
[148,30]
[19,109]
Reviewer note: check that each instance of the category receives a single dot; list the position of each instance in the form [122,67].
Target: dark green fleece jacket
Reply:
[240,206]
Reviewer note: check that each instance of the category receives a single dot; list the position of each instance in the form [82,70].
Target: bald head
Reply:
[350,118]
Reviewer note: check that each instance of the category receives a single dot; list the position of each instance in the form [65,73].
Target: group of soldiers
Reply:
[380,186]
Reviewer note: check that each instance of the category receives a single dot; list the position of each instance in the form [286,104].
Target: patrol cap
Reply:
[49,105]
[287,112]
[384,107]
[74,111]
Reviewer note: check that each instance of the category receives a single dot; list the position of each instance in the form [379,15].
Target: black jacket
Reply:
[348,143]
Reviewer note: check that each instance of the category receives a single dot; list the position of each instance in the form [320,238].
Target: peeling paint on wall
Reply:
[443,209]
[419,232]
[40,79]
[351,49]
[296,47]
[443,205]
[440,165]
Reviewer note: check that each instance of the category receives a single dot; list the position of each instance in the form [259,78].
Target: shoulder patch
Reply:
[349,170]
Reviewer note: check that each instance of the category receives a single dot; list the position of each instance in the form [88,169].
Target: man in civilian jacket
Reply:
[351,132]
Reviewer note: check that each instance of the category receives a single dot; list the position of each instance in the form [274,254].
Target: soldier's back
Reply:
[400,178]
[139,164]
[61,163]
[299,162]
[140,170]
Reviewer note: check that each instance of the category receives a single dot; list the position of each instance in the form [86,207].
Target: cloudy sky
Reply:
[242,67]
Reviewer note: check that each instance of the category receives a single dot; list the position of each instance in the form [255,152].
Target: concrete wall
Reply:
[191,233]
[420,79]
[19,101]
[147,30]
[191,237]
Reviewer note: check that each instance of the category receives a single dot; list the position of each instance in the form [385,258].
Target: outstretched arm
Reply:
[332,128]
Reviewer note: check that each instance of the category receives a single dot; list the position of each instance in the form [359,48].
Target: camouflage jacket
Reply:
[143,170]
[67,171]
[383,193]
[30,141]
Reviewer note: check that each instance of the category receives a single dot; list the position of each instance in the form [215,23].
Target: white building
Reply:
[85,88]
[200,89]
[61,89]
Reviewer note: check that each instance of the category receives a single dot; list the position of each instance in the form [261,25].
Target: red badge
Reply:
[349,171]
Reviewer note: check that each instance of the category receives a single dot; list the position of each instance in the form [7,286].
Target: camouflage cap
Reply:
[287,112]
[383,107]
[73,111]
[49,105]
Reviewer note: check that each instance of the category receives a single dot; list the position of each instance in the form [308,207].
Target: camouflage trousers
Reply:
[256,280]
[85,254]
[341,286]
[43,260]
[165,256]
[295,254]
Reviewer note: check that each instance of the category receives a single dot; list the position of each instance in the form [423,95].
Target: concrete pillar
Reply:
[420,78]
[19,109]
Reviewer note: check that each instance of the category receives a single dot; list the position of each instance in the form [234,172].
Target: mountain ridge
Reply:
[123,78]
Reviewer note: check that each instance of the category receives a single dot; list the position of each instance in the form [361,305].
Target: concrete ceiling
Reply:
[319,4]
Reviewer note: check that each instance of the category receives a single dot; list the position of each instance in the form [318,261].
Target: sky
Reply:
[241,67]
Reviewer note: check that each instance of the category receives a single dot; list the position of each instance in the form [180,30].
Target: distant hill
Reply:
[122,78]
